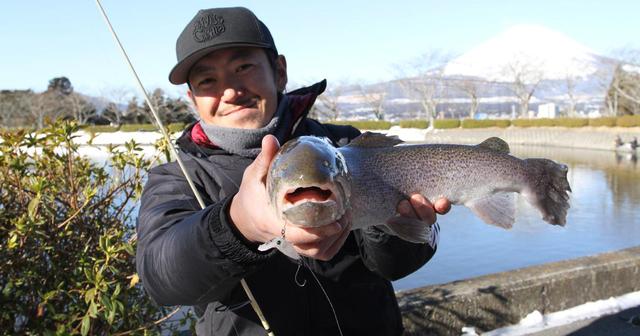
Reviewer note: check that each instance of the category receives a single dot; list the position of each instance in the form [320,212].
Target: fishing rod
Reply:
[174,152]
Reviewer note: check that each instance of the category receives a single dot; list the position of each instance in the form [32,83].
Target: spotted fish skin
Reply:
[376,172]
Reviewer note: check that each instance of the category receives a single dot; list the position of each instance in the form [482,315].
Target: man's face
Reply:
[237,87]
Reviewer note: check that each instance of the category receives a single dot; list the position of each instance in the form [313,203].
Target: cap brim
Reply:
[180,72]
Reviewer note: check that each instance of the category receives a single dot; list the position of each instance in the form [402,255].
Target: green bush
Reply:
[628,121]
[604,121]
[484,123]
[365,124]
[446,123]
[67,238]
[414,123]
[572,122]
[542,122]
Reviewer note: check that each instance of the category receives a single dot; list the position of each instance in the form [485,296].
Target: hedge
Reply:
[628,121]
[604,121]
[365,124]
[446,123]
[572,122]
[473,123]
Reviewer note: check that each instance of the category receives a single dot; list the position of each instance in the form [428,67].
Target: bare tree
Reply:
[624,88]
[119,96]
[51,104]
[329,107]
[14,107]
[524,75]
[570,86]
[79,108]
[374,99]
[37,110]
[606,79]
[470,87]
[422,79]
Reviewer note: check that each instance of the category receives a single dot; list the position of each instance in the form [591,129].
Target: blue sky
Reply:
[339,40]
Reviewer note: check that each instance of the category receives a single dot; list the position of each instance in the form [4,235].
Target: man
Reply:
[197,257]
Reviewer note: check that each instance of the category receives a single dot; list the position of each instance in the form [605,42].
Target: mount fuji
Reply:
[544,53]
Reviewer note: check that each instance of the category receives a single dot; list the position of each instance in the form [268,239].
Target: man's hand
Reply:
[417,207]
[251,213]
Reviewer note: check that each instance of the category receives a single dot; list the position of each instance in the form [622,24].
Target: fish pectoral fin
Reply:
[496,209]
[409,229]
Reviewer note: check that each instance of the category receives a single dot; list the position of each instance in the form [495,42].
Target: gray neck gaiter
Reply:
[248,142]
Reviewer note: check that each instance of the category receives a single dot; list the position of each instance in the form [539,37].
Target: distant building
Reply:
[547,110]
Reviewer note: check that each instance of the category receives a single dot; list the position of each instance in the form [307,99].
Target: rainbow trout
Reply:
[312,183]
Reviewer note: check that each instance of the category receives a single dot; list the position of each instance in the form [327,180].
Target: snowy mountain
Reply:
[533,51]
[523,61]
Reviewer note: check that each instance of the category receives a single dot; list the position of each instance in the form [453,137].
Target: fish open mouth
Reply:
[312,206]
[308,194]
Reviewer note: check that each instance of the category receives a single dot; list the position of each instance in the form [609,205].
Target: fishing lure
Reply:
[282,245]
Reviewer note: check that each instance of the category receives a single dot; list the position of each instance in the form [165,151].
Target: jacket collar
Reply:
[300,102]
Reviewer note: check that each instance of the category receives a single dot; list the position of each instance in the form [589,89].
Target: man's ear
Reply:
[191,97]
[281,73]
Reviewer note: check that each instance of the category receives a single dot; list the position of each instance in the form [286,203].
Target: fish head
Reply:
[308,182]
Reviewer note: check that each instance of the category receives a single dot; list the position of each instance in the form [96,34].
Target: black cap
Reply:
[217,28]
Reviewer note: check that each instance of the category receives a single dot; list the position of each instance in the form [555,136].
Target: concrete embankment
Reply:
[584,137]
[501,299]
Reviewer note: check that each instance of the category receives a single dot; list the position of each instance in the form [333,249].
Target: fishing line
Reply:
[301,263]
[174,151]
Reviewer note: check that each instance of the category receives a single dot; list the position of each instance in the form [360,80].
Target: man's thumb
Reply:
[270,147]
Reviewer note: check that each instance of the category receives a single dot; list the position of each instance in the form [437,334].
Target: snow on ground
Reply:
[535,321]
[98,152]
[406,134]
[118,138]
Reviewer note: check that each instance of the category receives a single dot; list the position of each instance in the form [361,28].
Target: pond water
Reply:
[604,216]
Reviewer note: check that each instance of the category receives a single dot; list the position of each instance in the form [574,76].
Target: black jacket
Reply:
[193,257]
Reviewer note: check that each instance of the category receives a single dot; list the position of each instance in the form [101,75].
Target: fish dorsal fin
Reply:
[496,144]
[374,140]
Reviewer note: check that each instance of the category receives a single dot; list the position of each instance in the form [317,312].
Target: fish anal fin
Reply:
[411,230]
[495,144]
[374,140]
[496,209]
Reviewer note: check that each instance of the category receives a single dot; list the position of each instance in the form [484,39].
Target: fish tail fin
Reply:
[548,189]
